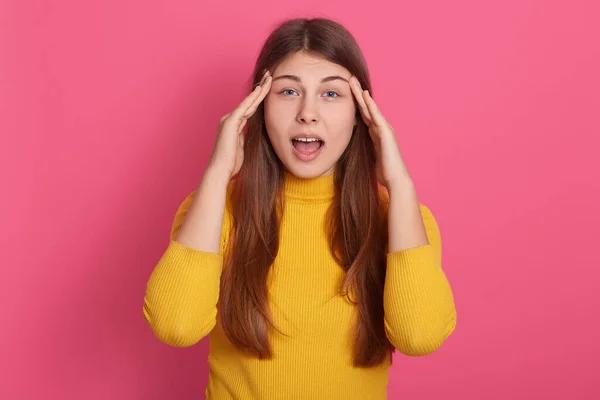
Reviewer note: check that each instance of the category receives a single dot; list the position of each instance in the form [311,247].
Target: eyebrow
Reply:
[297,78]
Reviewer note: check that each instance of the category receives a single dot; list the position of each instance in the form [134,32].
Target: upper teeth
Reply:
[302,139]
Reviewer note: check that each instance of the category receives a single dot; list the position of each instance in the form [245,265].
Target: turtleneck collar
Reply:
[317,189]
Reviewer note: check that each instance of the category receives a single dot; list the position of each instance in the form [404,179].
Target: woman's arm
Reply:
[180,304]
[418,302]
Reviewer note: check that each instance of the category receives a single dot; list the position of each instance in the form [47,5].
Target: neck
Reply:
[309,189]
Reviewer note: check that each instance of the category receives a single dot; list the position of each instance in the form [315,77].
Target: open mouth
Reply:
[307,149]
[307,145]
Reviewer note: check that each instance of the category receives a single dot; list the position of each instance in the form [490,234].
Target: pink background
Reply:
[108,112]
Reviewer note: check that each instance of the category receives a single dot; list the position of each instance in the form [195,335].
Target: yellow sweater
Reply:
[314,360]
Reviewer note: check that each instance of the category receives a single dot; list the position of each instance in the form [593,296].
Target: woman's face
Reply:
[310,97]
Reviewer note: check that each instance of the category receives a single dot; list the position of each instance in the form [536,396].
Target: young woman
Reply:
[303,271]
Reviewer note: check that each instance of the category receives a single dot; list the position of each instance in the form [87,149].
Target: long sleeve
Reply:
[419,309]
[180,303]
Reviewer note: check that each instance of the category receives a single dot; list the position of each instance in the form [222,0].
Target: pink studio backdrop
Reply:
[108,115]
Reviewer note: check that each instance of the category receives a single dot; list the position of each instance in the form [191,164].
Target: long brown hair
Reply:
[357,230]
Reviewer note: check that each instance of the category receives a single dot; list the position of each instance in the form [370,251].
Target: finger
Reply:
[241,140]
[244,107]
[242,125]
[237,114]
[357,91]
[376,115]
[266,87]
[262,80]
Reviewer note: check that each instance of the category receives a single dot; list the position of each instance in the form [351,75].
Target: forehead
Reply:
[309,67]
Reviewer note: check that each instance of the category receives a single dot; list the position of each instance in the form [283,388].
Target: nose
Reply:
[308,112]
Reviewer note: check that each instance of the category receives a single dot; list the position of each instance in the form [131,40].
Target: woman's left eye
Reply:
[331,91]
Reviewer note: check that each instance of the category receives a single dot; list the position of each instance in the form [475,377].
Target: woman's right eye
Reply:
[287,90]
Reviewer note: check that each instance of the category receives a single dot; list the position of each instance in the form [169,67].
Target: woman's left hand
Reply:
[390,166]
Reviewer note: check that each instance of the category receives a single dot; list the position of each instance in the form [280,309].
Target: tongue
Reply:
[307,147]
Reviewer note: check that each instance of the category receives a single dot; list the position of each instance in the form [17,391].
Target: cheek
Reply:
[275,112]
[343,116]
[342,109]
[274,122]
[341,121]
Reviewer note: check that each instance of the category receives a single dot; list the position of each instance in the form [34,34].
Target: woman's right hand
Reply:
[228,152]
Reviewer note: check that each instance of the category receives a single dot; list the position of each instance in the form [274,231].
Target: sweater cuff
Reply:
[183,255]
[416,257]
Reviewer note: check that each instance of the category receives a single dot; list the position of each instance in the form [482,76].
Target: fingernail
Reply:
[264,78]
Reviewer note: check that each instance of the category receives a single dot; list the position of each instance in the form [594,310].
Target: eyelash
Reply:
[329,91]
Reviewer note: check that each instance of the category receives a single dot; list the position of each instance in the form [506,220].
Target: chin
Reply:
[308,171]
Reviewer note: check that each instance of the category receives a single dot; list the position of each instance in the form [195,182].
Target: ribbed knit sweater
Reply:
[314,359]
